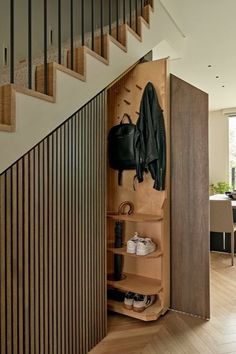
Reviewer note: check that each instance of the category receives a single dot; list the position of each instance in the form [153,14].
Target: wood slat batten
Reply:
[31,250]
[26,253]
[52,241]
[2,264]
[8,262]
[19,202]
[36,250]
[46,233]
[14,260]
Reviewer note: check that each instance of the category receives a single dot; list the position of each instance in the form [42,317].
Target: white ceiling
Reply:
[209,34]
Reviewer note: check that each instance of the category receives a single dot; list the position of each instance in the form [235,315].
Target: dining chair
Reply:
[221,220]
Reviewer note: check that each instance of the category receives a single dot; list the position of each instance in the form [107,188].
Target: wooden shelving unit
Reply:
[150,314]
[122,251]
[137,284]
[150,274]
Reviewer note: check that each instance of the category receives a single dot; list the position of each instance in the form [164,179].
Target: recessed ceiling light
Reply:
[223,86]
[217,77]
[209,66]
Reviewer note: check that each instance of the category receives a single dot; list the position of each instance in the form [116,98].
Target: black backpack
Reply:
[121,147]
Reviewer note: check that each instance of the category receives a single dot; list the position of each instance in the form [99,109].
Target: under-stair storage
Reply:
[141,274]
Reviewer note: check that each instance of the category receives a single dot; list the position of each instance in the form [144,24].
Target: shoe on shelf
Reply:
[145,246]
[128,300]
[132,243]
[141,302]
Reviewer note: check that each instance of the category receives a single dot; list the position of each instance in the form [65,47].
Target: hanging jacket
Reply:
[150,139]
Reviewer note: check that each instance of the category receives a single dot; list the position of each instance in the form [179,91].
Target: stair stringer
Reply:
[37,116]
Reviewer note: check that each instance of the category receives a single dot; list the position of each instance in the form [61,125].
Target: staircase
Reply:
[27,116]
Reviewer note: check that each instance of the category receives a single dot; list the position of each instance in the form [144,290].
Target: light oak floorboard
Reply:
[176,333]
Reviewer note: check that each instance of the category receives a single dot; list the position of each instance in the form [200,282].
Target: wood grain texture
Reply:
[137,284]
[177,333]
[52,241]
[189,199]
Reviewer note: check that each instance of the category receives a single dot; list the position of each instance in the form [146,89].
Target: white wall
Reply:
[218,147]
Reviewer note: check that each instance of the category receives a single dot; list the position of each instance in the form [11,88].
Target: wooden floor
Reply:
[176,333]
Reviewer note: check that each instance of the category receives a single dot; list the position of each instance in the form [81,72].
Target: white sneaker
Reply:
[132,243]
[141,302]
[128,300]
[145,246]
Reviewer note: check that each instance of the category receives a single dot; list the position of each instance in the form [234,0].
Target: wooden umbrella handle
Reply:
[123,205]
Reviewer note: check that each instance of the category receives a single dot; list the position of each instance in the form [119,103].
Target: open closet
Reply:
[147,274]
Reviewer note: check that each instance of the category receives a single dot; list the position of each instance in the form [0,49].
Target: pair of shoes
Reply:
[138,302]
[139,245]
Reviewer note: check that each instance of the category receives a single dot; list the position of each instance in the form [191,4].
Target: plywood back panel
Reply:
[52,241]
[189,199]
[124,97]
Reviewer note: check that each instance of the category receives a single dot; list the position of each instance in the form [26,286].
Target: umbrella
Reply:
[118,259]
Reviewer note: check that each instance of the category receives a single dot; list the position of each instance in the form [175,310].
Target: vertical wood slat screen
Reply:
[52,241]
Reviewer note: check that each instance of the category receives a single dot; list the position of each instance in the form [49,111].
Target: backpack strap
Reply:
[134,180]
[120,177]
[126,115]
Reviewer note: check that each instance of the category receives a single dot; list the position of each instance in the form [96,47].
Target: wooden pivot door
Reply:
[189,199]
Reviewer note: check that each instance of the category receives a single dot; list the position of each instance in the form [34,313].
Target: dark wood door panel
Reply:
[189,199]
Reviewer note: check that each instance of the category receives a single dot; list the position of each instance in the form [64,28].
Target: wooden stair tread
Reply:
[144,22]
[120,45]
[6,128]
[134,33]
[33,93]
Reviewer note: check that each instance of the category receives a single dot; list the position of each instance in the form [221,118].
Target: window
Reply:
[232,151]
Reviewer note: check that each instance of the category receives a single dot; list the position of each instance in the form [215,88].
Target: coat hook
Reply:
[139,87]
[127,102]
[127,89]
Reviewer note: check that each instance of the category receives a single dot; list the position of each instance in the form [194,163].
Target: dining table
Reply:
[223,197]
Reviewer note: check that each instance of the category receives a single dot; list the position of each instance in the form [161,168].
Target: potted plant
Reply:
[220,188]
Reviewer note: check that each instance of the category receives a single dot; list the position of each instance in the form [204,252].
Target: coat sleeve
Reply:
[139,146]
[161,162]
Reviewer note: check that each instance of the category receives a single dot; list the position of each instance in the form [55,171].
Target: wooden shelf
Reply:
[122,251]
[150,314]
[137,284]
[135,217]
